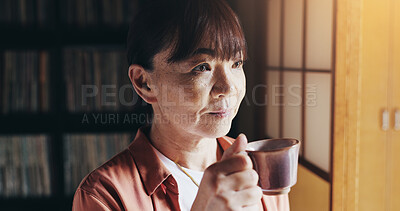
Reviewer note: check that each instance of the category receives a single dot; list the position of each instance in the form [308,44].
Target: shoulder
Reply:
[107,185]
[119,168]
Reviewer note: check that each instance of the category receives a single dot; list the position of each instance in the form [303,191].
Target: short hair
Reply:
[184,25]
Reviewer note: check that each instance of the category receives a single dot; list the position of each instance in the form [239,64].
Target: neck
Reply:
[195,153]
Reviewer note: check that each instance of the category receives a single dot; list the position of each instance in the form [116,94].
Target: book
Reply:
[97,80]
[25,85]
[26,13]
[92,13]
[25,168]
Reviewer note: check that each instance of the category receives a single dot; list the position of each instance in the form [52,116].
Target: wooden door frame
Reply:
[346,136]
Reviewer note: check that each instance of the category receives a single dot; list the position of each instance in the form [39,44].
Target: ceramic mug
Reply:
[275,161]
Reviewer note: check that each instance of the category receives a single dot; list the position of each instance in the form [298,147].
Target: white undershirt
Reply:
[187,189]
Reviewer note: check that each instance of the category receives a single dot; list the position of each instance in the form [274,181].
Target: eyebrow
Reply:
[204,51]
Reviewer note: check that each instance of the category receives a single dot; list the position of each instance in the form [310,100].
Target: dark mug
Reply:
[275,161]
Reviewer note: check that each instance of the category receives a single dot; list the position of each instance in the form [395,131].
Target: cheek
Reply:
[182,93]
[188,95]
[241,86]
[194,95]
[195,89]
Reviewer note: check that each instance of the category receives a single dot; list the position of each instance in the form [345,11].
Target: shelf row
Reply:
[26,161]
[93,79]
[82,13]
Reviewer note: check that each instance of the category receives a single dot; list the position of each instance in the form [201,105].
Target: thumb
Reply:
[238,146]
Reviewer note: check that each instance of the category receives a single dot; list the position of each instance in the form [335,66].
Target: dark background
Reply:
[52,26]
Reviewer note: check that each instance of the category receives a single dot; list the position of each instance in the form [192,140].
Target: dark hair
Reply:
[184,25]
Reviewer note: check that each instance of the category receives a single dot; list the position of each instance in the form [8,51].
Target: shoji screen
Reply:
[299,67]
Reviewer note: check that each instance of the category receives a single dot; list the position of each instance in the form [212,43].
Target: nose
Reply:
[224,82]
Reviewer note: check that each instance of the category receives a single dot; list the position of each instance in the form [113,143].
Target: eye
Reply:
[202,67]
[237,65]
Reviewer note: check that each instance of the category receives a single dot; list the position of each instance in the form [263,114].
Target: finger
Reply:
[247,197]
[235,163]
[237,146]
[240,180]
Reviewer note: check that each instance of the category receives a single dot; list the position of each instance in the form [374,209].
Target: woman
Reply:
[186,61]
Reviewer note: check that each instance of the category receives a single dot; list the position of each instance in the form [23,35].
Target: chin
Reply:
[216,130]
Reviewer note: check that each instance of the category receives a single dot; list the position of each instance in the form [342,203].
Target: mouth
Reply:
[221,113]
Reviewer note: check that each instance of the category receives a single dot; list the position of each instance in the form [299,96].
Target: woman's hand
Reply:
[230,184]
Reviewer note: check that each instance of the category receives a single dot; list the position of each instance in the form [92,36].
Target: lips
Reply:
[221,113]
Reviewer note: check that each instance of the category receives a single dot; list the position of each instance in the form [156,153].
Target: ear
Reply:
[140,80]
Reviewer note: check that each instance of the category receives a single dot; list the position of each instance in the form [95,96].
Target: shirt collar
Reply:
[153,173]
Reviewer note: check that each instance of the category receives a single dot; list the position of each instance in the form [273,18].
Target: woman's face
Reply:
[200,95]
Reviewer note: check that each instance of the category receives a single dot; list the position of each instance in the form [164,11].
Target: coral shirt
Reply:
[136,179]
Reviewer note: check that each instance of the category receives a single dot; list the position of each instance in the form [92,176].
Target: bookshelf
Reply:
[29,29]
[55,28]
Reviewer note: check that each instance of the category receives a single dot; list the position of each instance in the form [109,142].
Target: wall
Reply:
[311,193]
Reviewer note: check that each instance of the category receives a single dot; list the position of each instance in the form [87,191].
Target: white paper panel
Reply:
[319,34]
[292,105]
[318,119]
[273,104]
[293,35]
[273,30]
